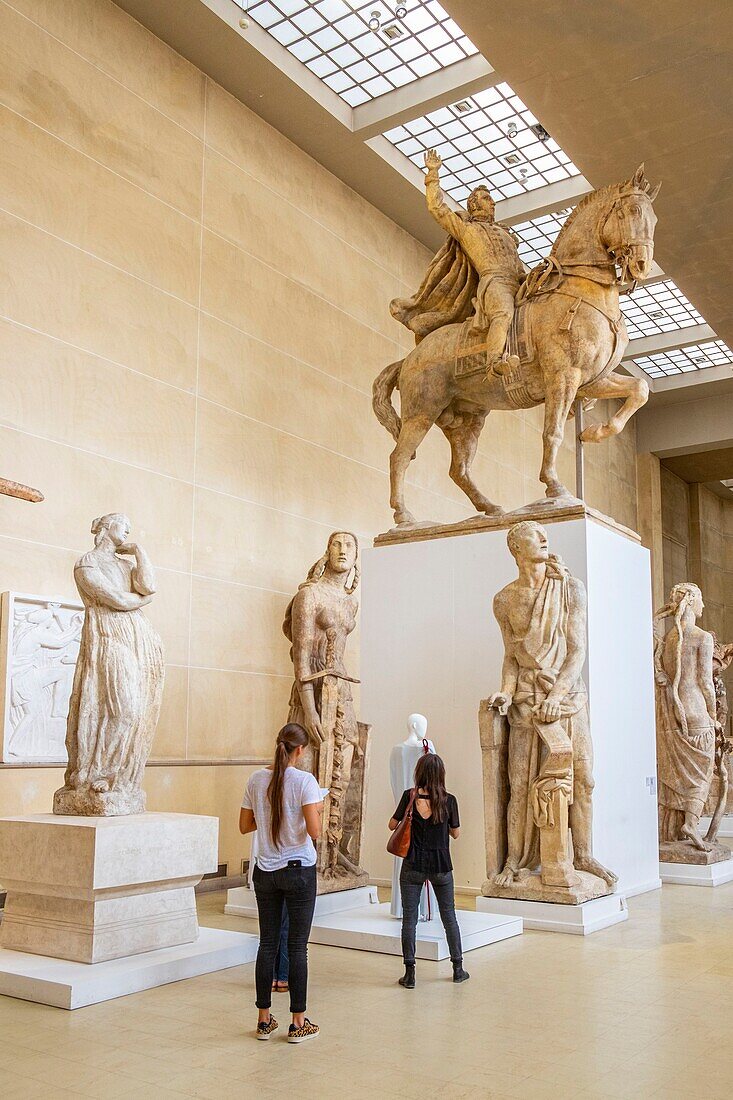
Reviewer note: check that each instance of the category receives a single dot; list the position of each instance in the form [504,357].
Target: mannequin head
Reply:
[417,728]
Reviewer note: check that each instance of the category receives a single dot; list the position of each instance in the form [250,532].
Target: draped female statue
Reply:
[118,682]
[686,729]
[318,622]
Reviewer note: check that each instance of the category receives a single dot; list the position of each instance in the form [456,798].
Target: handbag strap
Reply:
[411,803]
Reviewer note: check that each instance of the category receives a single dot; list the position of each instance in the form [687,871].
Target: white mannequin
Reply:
[402,761]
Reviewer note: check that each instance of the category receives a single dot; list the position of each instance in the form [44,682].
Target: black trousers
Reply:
[411,884]
[294,888]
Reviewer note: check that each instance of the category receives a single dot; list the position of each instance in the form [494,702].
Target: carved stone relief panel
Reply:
[39,644]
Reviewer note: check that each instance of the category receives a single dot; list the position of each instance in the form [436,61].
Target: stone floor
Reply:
[640,1010]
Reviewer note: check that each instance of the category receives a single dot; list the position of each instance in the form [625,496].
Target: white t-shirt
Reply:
[300,789]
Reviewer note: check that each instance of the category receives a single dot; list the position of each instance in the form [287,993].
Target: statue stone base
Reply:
[684,851]
[86,803]
[91,889]
[342,880]
[532,888]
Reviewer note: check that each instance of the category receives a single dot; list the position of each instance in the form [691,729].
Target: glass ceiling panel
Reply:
[537,237]
[363,49]
[660,307]
[489,137]
[664,364]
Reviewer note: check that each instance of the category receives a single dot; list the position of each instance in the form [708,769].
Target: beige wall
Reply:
[192,315]
[697,529]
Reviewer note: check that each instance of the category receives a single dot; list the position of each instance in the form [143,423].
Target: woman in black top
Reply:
[434,821]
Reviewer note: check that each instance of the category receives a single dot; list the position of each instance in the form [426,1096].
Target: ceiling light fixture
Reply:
[540,132]
[512,158]
[512,129]
[393,31]
[656,313]
[375,21]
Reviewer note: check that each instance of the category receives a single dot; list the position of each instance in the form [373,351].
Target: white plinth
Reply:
[577,920]
[92,889]
[74,985]
[430,643]
[373,928]
[241,901]
[696,874]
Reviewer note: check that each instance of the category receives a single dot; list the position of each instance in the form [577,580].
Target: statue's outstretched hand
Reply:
[500,701]
[432,160]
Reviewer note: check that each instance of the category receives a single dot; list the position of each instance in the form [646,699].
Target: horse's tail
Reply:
[382,390]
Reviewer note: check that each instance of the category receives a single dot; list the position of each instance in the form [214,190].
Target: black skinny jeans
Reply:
[411,884]
[294,887]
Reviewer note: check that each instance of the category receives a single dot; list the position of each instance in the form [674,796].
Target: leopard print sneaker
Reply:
[265,1030]
[300,1034]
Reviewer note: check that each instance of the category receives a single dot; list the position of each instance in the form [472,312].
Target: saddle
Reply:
[522,384]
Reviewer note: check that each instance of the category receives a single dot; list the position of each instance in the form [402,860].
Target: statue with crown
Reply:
[490,335]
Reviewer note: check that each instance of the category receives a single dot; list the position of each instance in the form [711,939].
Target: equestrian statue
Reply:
[491,335]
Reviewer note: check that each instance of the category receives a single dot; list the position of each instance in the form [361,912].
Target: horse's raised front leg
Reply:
[412,433]
[560,390]
[463,439]
[633,391]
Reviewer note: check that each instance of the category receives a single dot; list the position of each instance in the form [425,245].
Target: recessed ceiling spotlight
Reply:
[512,158]
[512,129]
[375,21]
[463,107]
[701,362]
[393,31]
[656,313]
[400,11]
[540,132]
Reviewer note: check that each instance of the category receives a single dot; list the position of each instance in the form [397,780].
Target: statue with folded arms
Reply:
[118,682]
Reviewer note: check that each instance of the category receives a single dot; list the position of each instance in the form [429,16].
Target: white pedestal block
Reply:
[430,643]
[74,985]
[577,920]
[92,889]
[696,874]
[241,901]
[373,928]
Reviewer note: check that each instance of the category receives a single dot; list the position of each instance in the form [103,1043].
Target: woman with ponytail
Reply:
[434,821]
[283,803]
[686,718]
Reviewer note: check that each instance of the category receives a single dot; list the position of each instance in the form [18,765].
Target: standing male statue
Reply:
[482,258]
[549,753]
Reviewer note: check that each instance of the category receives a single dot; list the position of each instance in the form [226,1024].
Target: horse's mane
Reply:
[601,195]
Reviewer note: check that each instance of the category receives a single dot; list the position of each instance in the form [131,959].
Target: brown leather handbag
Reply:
[399,842]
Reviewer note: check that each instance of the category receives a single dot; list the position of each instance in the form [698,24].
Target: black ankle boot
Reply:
[408,978]
[459,974]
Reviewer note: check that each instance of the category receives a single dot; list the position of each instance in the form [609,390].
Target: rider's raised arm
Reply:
[437,205]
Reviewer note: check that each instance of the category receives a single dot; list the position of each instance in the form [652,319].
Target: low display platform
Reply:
[697,874]
[576,920]
[241,901]
[71,985]
[373,928]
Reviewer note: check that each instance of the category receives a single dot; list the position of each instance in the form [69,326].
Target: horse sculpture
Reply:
[569,332]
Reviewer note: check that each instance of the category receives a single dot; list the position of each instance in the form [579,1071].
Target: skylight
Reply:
[489,137]
[362,50]
[663,364]
[660,307]
[537,237]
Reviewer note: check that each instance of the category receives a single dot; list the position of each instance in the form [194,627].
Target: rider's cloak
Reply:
[445,296]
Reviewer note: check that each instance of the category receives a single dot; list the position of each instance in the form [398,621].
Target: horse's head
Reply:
[628,231]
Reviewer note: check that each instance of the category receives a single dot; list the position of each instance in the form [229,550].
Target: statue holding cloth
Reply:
[539,723]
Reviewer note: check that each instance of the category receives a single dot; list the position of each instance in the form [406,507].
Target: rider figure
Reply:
[492,251]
